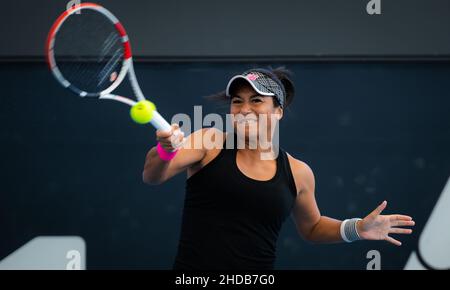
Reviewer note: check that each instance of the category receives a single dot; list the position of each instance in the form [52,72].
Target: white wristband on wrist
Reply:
[349,233]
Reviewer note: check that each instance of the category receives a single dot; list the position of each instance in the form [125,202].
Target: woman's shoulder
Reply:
[302,172]
[206,139]
[211,141]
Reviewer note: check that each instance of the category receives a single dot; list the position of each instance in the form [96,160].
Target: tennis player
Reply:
[236,201]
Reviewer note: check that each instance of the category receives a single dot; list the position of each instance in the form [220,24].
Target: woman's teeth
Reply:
[248,121]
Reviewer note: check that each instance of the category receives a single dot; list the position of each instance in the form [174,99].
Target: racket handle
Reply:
[159,122]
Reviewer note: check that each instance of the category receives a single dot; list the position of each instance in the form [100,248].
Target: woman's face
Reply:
[252,113]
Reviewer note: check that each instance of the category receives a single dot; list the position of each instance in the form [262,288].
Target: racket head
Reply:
[88,50]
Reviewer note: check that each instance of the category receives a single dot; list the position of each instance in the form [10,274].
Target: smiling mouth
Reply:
[246,121]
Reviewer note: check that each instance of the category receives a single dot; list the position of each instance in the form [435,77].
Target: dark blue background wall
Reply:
[70,166]
[251,28]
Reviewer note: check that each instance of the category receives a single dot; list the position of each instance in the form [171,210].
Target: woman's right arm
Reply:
[157,171]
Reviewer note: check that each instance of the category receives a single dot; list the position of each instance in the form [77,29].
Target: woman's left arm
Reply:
[314,227]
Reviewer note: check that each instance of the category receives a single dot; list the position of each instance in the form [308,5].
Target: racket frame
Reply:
[127,64]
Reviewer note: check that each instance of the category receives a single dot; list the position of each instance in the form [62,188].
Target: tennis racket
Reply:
[89,53]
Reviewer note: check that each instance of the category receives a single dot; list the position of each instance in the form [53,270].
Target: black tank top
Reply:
[231,221]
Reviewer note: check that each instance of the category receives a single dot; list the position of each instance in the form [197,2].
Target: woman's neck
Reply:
[256,151]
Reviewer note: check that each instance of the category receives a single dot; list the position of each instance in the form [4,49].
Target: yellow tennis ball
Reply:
[142,112]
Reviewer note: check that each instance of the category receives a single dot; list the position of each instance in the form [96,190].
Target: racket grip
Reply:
[159,122]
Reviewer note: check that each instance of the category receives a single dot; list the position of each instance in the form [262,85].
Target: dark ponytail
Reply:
[284,76]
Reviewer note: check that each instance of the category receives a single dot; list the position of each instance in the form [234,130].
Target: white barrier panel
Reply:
[48,253]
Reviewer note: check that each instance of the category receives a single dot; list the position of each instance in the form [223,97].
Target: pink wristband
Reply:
[163,154]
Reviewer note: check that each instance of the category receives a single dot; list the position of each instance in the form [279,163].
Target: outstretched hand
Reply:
[379,227]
